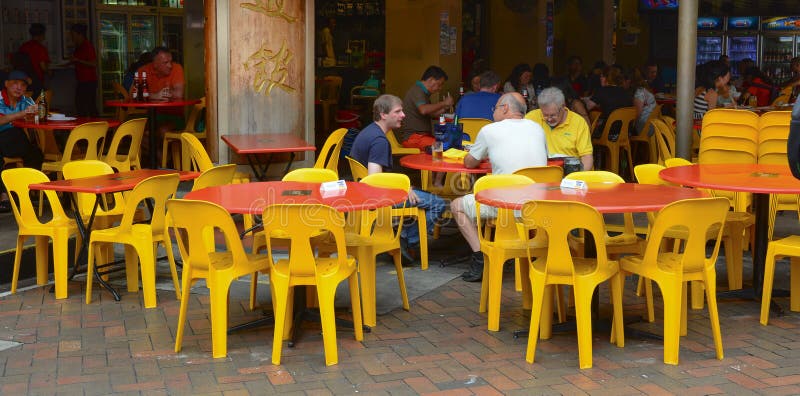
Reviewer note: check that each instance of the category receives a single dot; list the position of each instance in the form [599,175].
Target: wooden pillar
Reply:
[259,63]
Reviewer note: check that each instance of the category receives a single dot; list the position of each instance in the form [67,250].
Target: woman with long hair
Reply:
[520,81]
[714,77]
[611,95]
[643,99]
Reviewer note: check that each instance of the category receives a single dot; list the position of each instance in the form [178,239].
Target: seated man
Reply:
[479,104]
[372,149]
[14,141]
[417,130]
[510,143]
[567,133]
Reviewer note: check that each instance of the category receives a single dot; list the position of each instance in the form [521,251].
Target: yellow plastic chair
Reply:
[677,161]
[302,268]
[311,175]
[665,141]
[59,228]
[644,138]
[472,126]
[397,148]
[329,155]
[624,117]
[786,247]
[133,130]
[106,214]
[357,170]
[542,174]
[173,142]
[201,162]
[773,133]
[375,237]
[672,270]
[92,133]
[505,245]
[192,221]
[217,176]
[141,239]
[558,267]
[648,174]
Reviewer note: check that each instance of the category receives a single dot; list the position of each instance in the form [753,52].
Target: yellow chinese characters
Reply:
[270,8]
[270,69]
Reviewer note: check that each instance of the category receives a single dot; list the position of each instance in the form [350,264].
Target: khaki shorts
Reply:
[468,202]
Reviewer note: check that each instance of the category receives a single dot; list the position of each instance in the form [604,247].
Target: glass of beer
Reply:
[437,150]
[30,113]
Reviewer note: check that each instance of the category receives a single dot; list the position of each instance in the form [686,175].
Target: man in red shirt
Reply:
[85,60]
[37,53]
[164,82]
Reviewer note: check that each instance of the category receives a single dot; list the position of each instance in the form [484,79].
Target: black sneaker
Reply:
[409,254]
[476,268]
[5,206]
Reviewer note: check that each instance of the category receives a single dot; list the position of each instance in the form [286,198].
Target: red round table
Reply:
[606,198]
[59,125]
[252,198]
[759,179]
[151,107]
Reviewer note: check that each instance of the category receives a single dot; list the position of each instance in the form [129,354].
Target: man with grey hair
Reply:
[479,104]
[567,132]
[510,143]
[372,149]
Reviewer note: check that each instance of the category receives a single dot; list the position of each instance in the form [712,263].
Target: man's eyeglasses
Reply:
[554,116]
[495,108]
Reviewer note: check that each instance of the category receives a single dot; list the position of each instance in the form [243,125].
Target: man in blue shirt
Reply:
[479,104]
[372,149]
[14,141]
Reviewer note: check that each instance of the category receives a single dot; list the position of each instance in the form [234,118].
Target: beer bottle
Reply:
[461,90]
[135,87]
[145,92]
[41,104]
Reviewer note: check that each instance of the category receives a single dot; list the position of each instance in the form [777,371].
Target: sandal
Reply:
[5,206]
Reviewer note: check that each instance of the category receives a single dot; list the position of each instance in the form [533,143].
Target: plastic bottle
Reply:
[145,91]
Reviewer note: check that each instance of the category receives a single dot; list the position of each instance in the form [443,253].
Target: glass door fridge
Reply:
[780,42]
[742,41]
[709,39]
[123,37]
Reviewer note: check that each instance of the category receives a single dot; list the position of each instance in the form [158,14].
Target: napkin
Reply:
[454,153]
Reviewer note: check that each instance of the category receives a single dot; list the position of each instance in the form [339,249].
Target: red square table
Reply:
[100,185]
[264,145]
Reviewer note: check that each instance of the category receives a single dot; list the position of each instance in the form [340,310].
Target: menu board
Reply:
[743,23]
[709,23]
[784,23]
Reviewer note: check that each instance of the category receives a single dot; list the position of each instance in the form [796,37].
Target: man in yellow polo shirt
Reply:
[567,133]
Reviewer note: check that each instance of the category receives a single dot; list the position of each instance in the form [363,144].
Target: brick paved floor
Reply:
[440,346]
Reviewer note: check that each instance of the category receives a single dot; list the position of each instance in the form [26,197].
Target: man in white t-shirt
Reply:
[511,143]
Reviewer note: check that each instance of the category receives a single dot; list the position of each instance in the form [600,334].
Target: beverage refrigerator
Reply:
[125,31]
[780,41]
[742,41]
[710,38]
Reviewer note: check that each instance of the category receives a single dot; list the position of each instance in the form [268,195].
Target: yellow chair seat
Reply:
[789,246]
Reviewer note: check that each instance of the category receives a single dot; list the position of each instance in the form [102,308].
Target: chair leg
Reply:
[17,261]
[538,288]
[366,269]
[355,300]
[60,264]
[41,258]
[617,284]
[495,266]
[281,297]
[422,225]
[525,269]
[794,275]
[327,293]
[164,146]
[710,279]
[89,272]
[253,289]
[697,295]
[148,271]
[583,318]
[546,319]
[401,280]
[132,268]
[672,319]
[172,267]
[517,276]
[186,285]
[219,316]
[769,276]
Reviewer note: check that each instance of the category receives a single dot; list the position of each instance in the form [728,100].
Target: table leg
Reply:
[260,168]
[153,138]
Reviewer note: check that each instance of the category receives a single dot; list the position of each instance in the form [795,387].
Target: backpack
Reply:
[774,90]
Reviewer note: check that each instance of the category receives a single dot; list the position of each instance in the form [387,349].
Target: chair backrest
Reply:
[729,136]
[329,155]
[311,175]
[89,168]
[194,117]
[397,148]
[358,170]
[383,217]
[596,177]
[132,131]
[158,189]
[16,181]
[773,134]
[93,134]
[557,219]
[216,176]
[654,115]
[625,117]
[665,140]
[698,217]
[542,174]
[677,161]
[193,221]
[505,221]
[199,159]
[648,174]
[473,125]
[301,223]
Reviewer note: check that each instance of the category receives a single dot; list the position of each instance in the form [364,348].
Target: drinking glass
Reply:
[437,150]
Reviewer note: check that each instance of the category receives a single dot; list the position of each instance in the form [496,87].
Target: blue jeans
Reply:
[434,206]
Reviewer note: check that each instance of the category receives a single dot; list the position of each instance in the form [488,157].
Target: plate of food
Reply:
[59,117]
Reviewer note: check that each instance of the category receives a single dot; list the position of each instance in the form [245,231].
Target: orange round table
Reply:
[425,162]
[151,107]
[759,179]
[605,197]
[63,125]
[252,198]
